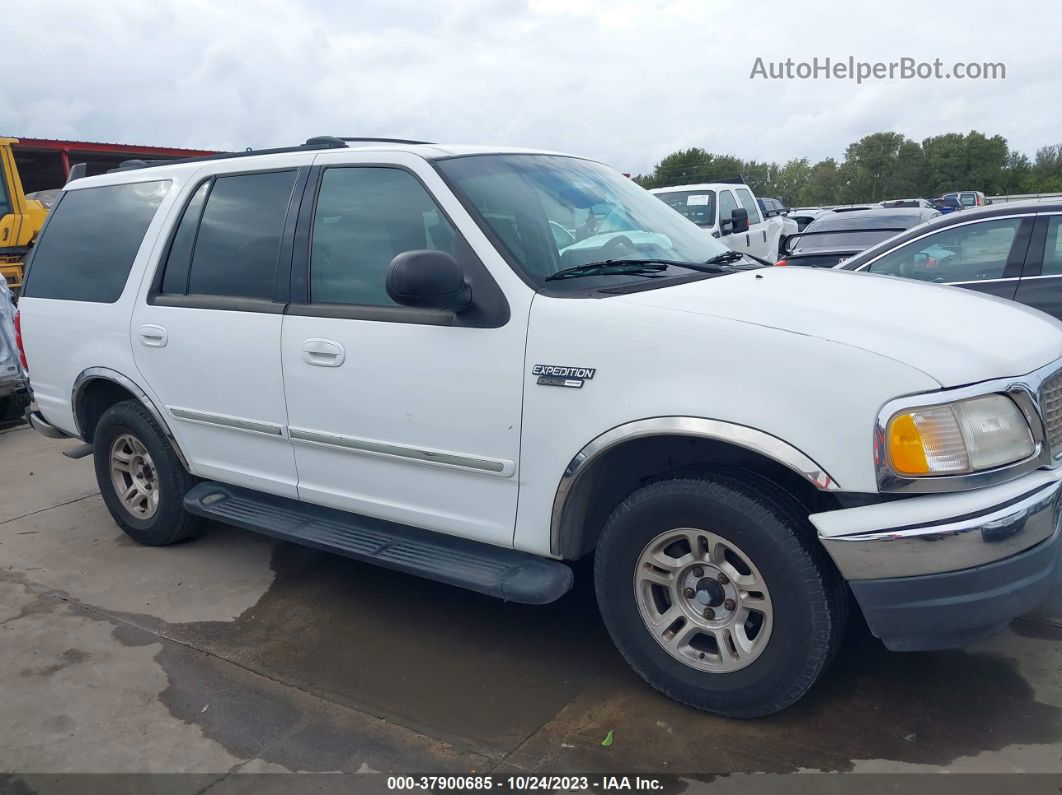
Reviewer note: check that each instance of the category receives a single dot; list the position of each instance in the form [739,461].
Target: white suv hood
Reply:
[954,335]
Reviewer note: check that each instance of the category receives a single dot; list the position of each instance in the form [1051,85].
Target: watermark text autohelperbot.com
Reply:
[851,69]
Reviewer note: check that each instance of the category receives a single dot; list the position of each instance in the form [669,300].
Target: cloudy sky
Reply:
[625,82]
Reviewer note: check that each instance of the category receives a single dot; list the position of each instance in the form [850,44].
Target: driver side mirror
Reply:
[428,280]
[739,220]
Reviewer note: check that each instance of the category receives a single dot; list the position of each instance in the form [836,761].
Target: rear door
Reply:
[985,255]
[207,337]
[1041,279]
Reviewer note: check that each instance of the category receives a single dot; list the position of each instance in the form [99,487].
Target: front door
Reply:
[403,414]
[756,242]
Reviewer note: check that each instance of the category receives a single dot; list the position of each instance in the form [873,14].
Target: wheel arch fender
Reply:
[570,499]
[92,378]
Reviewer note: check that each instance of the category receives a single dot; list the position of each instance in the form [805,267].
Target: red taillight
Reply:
[781,263]
[18,342]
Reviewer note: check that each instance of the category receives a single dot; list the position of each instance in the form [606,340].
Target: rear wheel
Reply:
[713,592]
[142,481]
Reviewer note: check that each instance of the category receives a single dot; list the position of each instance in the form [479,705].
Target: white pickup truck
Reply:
[729,211]
[475,365]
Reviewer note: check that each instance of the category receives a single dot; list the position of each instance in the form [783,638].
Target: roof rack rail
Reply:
[317,142]
[385,140]
[343,140]
[312,144]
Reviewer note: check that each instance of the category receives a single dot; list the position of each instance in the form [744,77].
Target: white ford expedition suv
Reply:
[433,359]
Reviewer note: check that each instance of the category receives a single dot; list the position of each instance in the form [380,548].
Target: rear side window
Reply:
[175,279]
[91,240]
[1053,248]
[231,246]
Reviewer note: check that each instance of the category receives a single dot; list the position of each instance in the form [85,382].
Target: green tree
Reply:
[1045,176]
[823,184]
[872,171]
[792,180]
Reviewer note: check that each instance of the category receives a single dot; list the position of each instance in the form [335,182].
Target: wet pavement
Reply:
[236,653]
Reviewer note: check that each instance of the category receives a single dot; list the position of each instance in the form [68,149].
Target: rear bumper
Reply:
[42,426]
[940,571]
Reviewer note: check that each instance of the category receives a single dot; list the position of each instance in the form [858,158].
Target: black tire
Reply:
[171,523]
[809,599]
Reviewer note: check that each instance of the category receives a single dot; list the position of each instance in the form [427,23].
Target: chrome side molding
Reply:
[493,466]
[235,423]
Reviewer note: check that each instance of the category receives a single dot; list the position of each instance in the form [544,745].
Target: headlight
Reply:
[955,438]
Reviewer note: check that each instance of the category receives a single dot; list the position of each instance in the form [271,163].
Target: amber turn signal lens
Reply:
[907,451]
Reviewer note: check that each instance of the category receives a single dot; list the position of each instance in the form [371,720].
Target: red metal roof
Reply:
[56,145]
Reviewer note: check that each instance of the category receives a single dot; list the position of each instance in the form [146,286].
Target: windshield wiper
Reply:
[725,258]
[635,267]
[645,267]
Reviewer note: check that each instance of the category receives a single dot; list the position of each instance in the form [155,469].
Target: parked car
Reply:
[947,204]
[384,351]
[834,238]
[729,211]
[969,198]
[805,215]
[895,204]
[1008,250]
[769,207]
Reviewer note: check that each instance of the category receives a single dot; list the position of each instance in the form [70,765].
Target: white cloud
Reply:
[627,82]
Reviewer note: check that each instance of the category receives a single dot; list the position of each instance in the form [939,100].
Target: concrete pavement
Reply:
[235,653]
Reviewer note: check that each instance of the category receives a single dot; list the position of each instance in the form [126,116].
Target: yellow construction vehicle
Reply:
[20,218]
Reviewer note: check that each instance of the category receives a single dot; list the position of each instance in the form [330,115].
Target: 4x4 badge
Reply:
[558,375]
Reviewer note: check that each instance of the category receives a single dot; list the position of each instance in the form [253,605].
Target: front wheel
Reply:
[715,596]
[140,477]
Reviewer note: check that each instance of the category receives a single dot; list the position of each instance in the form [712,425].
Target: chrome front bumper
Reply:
[952,544]
[941,571]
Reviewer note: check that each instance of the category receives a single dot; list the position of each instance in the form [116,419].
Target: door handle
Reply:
[323,353]
[153,336]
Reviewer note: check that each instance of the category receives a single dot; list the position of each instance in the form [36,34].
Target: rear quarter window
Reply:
[91,240]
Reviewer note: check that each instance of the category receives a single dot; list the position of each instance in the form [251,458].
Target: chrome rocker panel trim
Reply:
[739,435]
[951,544]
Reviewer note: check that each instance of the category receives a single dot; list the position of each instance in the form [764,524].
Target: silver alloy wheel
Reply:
[134,476]
[703,600]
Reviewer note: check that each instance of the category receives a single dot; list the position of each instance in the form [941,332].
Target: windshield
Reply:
[554,212]
[696,205]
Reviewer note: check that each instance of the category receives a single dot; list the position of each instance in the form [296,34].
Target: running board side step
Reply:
[496,571]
